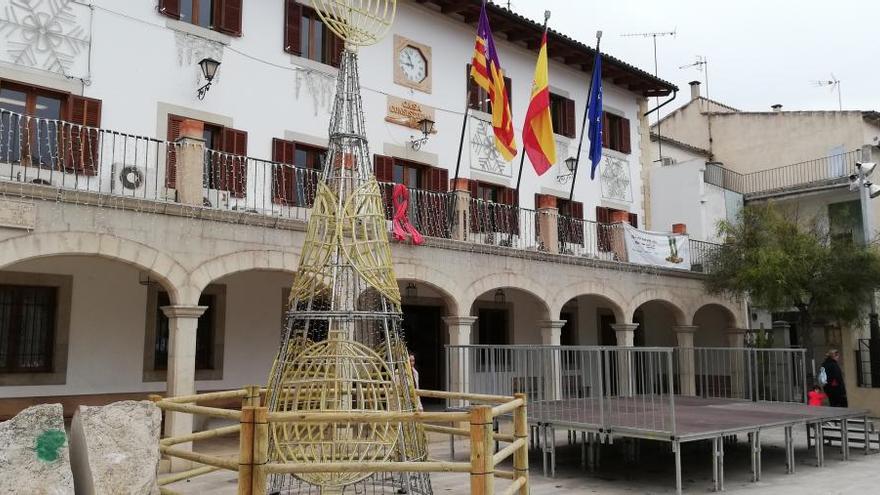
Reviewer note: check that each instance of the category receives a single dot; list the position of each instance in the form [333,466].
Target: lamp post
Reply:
[867,191]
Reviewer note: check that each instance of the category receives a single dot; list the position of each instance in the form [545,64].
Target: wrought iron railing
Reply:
[829,170]
[73,157]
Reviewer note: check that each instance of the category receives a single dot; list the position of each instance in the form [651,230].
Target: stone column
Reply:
[548,222]
[458,374]
[684,336]
[782,335]
[461,217]
[181,377]
[551,335]
[625,336]
[736,339]
[190,163]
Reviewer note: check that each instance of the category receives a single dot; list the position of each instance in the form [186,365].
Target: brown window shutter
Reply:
[170,8]
[577,227]
[508,86]
[475,213]
[625,146]
[292,22]
[577,210]
[233,170]
[336,48]
[383,167]
[85,143]
[606,130]
[569,115]
[472,88]
[634,220]
[229,21]
[284,175]
[171,168]
[603,237]
[443,186]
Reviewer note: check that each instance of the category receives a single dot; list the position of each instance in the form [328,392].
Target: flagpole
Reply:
[467,107]
[577,160]
[522,159]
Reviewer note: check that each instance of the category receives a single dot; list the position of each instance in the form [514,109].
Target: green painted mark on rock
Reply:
[48,443]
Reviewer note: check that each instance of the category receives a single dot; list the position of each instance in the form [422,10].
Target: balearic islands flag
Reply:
[487,73]
[538,128]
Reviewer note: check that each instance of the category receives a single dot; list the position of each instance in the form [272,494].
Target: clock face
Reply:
[412,64]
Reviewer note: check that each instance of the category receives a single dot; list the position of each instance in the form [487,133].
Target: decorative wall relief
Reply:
[51,35]
[320,87]
[615,179]
[485,156]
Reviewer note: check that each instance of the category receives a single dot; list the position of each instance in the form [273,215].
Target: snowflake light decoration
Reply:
[43,34]
[484,154]
[615,179]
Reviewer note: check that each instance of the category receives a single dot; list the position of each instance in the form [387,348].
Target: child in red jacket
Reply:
[816,397]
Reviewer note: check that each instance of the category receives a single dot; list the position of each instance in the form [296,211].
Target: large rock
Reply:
[34,459]
[115,448]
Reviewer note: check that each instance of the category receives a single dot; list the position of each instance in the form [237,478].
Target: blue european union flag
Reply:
[594,114]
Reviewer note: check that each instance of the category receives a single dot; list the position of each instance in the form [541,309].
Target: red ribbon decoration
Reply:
[401,229]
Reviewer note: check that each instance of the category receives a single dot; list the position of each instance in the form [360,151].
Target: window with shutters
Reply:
[219,15]
[571,221]
[55,138]
[562,115]
[605,217]
[225,167]
[427,209]
[296,173]
[497,208]
[27,328]
[479,98]
[616,133]
[306,35]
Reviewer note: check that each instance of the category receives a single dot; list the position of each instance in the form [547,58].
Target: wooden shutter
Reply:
[233,167]
[606,130]
[84,148]
[634,220]
[170,8]
[171,167]
[283,175]
[508,215]
[436,179]
[336,48]
[229,13]
[625,146]
[603,234]
[475,213]
[569,126]
[473,91]
[576,211]
[383,167]
[292,23]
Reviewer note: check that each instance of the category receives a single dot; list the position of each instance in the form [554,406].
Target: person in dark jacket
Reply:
[834,386]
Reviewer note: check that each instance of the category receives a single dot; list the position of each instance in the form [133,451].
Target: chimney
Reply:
[777,107]
[695,89]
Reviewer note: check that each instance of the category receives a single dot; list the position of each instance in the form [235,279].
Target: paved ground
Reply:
[652,473]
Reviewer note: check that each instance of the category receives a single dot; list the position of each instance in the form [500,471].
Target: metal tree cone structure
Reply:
[342,350]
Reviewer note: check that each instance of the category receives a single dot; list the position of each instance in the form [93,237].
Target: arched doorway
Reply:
[508,315]
[589,320]
[656,321]
[424,306]
[713,321]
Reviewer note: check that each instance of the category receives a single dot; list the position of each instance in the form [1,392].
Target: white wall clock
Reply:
[412,64]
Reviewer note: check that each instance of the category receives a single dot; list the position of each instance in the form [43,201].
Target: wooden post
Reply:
[521,456]
[253,396]
[246,451]
[261,450]
[482,467]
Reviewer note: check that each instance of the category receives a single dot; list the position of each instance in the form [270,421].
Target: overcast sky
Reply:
[759,52]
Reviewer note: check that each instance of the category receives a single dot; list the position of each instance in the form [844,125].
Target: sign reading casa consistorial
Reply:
[407,113]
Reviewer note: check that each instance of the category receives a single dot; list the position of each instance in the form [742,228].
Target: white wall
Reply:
[140,68]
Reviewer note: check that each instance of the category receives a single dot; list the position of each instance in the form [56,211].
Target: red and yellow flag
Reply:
[538,128]
[487,73]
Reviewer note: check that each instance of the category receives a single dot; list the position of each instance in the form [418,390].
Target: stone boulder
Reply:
[33,453]
[115,448]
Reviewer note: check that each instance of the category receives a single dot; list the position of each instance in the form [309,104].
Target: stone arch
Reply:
[731,315]
[439,281]
[171,274]
[501,280]
[615,300]
[240,261]
[665,297]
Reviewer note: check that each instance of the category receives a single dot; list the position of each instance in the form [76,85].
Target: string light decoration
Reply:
[342,349]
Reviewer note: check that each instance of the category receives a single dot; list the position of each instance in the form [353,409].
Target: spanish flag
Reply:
[538,128]
[487,73]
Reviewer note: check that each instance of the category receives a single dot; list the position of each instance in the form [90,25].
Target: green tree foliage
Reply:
[781,264]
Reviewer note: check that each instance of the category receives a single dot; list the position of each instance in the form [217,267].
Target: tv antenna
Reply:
[833,83]
[702,64]
[654,36]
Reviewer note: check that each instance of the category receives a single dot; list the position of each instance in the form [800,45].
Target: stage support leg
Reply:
[867,436]
[543,446]
[552,451]
[789,450]
[676,450]
[718,463]
[583,450]
[844,438]
[819,442]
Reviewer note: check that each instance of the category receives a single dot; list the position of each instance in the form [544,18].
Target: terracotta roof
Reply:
[680,144]
[560,47]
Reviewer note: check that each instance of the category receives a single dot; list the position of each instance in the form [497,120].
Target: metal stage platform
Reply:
[600,395]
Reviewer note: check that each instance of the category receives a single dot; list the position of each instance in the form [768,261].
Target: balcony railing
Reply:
[72,157]
[830,170]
